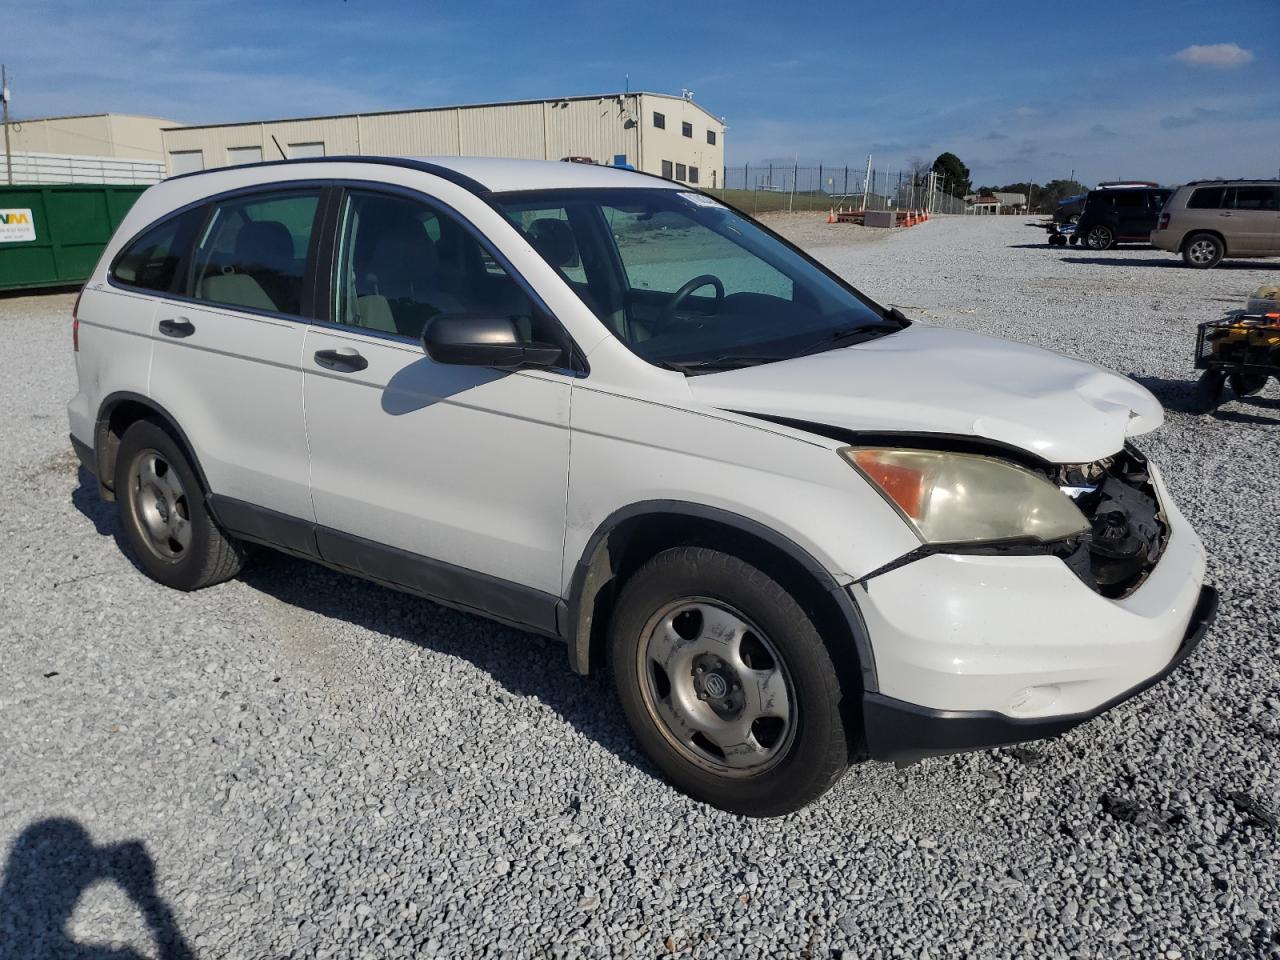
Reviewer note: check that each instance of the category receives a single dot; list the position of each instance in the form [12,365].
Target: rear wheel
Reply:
[1203,250]
[1100,238]
[163,514]
[1247,384]
[727,684]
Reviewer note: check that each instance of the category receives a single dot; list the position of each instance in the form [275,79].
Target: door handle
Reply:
[181,327]
[345,360]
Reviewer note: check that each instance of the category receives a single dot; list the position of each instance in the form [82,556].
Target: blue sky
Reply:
[1168,91]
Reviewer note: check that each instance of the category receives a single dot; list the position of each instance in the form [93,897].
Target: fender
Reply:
[103,423]
[594,570]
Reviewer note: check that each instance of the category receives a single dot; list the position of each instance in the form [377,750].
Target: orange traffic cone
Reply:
[831,217]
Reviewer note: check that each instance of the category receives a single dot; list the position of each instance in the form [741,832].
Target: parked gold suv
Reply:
[1206,220]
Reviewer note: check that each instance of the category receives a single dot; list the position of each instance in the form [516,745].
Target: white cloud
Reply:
[1215,55]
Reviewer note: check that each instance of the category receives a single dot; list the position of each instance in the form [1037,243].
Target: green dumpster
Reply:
[52,236]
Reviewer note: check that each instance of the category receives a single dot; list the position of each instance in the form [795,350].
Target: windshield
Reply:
[687,283]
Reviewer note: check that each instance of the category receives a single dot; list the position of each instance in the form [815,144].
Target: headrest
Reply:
[554,240]
[264,243]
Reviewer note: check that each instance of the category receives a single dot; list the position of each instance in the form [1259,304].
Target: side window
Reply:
[659,121]
[1206,198]
[1255,197]
[401,262]
[667,169]
[1159,198]
[711,137]
[253,251]
[681,173]
[151,262]
[551,234]
[693,174]
[1130,200]
[686,129]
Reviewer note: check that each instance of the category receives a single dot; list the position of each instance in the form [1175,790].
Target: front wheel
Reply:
[1100,238]
[726,683]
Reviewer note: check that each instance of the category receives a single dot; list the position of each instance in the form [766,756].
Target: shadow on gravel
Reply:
[525,664]
[1174,262]
[103,515]
[52,863]
[1179,395]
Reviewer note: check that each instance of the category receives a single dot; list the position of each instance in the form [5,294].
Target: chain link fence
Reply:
[767,188]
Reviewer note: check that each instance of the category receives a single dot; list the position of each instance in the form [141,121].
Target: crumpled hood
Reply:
[933,380]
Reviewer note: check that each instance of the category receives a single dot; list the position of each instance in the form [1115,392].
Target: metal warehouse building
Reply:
[668,135]
[96,148]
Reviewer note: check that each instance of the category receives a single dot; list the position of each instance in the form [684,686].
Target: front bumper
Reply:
[1011,648]
[904,732]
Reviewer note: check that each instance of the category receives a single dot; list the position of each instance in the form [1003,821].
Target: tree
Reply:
[954,173]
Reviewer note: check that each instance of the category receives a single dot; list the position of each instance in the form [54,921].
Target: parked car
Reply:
[1210,219]
[1068,209]
[599,406]
[1120,214]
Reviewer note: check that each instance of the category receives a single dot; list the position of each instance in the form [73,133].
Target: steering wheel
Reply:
[680,296]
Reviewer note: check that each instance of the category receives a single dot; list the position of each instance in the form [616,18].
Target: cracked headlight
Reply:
[967,498]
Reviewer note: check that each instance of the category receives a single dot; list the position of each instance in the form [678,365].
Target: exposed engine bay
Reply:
[1129,529]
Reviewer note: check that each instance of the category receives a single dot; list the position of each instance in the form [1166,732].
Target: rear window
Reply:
[253,251]
[1206,198]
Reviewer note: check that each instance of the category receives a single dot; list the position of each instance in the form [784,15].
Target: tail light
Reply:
[75,323]
[1164,222]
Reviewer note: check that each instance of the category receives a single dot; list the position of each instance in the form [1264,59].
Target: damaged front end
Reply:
[1128,528]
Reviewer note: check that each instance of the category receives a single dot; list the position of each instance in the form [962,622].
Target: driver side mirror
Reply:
[478,340]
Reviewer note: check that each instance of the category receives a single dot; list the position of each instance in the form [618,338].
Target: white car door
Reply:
[447,479]
[226,360]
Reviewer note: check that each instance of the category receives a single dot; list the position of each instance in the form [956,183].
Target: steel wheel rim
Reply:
[716,687]
[160,505]
[1202,251]
[1099,238]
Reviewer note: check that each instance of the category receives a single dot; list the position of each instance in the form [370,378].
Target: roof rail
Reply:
[444,173]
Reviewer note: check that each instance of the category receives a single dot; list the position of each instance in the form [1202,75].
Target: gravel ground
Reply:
[300,764]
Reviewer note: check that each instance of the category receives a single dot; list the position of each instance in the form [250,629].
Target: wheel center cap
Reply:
[715,685]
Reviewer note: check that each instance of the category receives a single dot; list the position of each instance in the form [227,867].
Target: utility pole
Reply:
[4,105]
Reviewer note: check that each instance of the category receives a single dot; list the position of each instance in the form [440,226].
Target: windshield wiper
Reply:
[848,337]
[729,361]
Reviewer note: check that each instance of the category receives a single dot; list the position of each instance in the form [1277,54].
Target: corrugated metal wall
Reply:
[597,127]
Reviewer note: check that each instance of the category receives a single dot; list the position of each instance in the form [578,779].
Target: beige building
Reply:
[668,135]
[95,148]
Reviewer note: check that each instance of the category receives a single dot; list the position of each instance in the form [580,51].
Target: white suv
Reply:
[603,407]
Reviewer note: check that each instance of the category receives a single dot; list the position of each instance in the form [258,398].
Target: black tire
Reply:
[1202,251]
[163,514]
[1100,238]
[1057,240]
[1247,384]
[810,748]
[1075,241]
[1208,393]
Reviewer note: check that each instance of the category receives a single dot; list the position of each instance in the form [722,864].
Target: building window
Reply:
[693,174]
[687,129]
[711,137]
[300,151]
[185,161]
[660,120]
[239,155]
[666,169]
[681,173]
